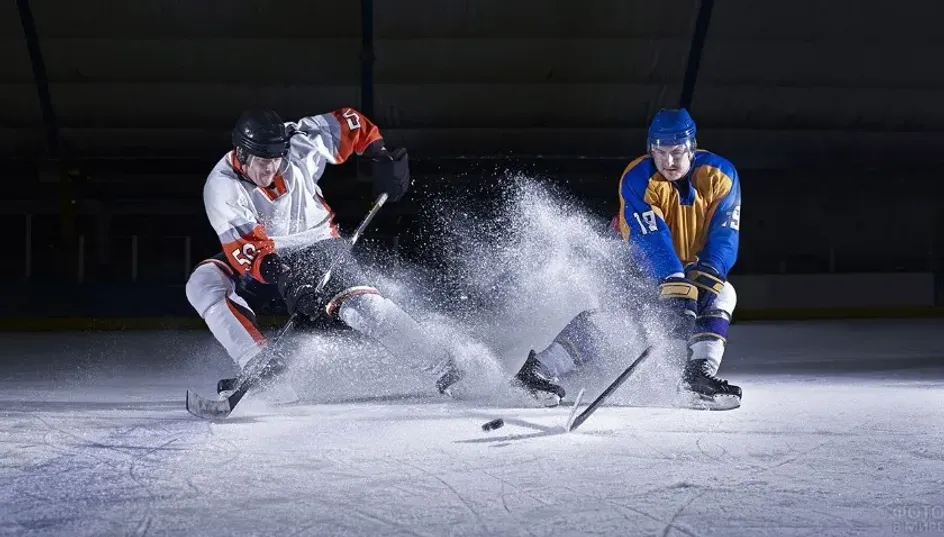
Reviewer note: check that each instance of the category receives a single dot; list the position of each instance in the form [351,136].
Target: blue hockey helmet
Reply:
[671,126]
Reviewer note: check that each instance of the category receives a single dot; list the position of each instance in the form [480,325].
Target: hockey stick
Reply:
[573,411]
[211,409]
[592,407]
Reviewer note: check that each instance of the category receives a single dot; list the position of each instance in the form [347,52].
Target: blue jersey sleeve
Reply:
[721,244]
[643,225]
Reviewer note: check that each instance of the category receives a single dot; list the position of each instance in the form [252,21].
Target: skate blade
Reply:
[547,399]
[696,401]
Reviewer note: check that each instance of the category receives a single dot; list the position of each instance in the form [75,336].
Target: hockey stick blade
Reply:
[207,409]
[215,409]
[592,407]
[573,411]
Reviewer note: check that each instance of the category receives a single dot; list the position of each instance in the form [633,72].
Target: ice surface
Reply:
[840,433]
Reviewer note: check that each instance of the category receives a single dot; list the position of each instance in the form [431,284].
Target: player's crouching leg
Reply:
[347,296]
[579,343]
[706,349]
[211,290]
[213,293]
[381,319]
[710,335]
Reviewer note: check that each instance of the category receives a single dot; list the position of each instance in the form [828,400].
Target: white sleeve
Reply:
[308,147]
[228,209]
[336,135]
[233,219]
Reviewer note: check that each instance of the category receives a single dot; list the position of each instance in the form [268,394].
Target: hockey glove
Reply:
[297,283]
[680,296]
[391,170]
[708,280]
[271,267]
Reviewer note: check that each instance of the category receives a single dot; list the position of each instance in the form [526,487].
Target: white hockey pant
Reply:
[212,293]
[382,320]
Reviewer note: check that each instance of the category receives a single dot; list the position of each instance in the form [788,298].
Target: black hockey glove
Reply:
[708,281]
[271,267]
[680,297]
[302,272]
[391,169]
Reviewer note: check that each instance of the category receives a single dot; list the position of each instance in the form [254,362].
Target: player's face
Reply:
[673,161]
[261,171]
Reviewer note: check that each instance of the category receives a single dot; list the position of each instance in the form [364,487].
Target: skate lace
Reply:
[713,377]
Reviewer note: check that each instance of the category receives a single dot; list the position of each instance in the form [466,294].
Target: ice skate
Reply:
[700,388]
[534,377]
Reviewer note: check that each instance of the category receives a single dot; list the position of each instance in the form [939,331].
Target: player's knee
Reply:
[581,338]
[726,300]
[364,298]
[374,315]
[208,285]
[711,325]
[584,321]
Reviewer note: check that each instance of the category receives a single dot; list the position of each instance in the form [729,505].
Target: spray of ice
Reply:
[509,277]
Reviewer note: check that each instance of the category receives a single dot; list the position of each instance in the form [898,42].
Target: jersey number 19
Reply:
[647,223]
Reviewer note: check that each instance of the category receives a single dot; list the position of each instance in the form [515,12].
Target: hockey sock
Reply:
[709,338]
[580,342]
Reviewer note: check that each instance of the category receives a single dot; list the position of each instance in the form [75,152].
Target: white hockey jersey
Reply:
[252,221]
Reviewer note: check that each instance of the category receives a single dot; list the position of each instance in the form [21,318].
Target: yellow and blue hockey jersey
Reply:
[696,218]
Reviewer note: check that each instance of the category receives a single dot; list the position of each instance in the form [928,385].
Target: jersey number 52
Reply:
[245,255]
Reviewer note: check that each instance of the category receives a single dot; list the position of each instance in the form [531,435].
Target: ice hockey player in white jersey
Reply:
[278,238]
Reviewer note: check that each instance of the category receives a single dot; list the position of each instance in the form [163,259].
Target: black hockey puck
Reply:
[494,424]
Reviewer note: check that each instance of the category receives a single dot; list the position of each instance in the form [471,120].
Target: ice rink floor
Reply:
[840,433]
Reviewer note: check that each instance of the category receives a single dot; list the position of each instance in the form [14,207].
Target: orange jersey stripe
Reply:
[276,189]
[223,266]
[245,321]
[357,132]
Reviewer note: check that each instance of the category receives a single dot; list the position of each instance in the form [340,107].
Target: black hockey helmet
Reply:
[260,133]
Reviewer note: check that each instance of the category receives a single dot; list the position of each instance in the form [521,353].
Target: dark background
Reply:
[112,113]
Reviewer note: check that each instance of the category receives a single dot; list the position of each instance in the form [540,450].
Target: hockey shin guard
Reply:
[709,338]
[579,343]
[382,320]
